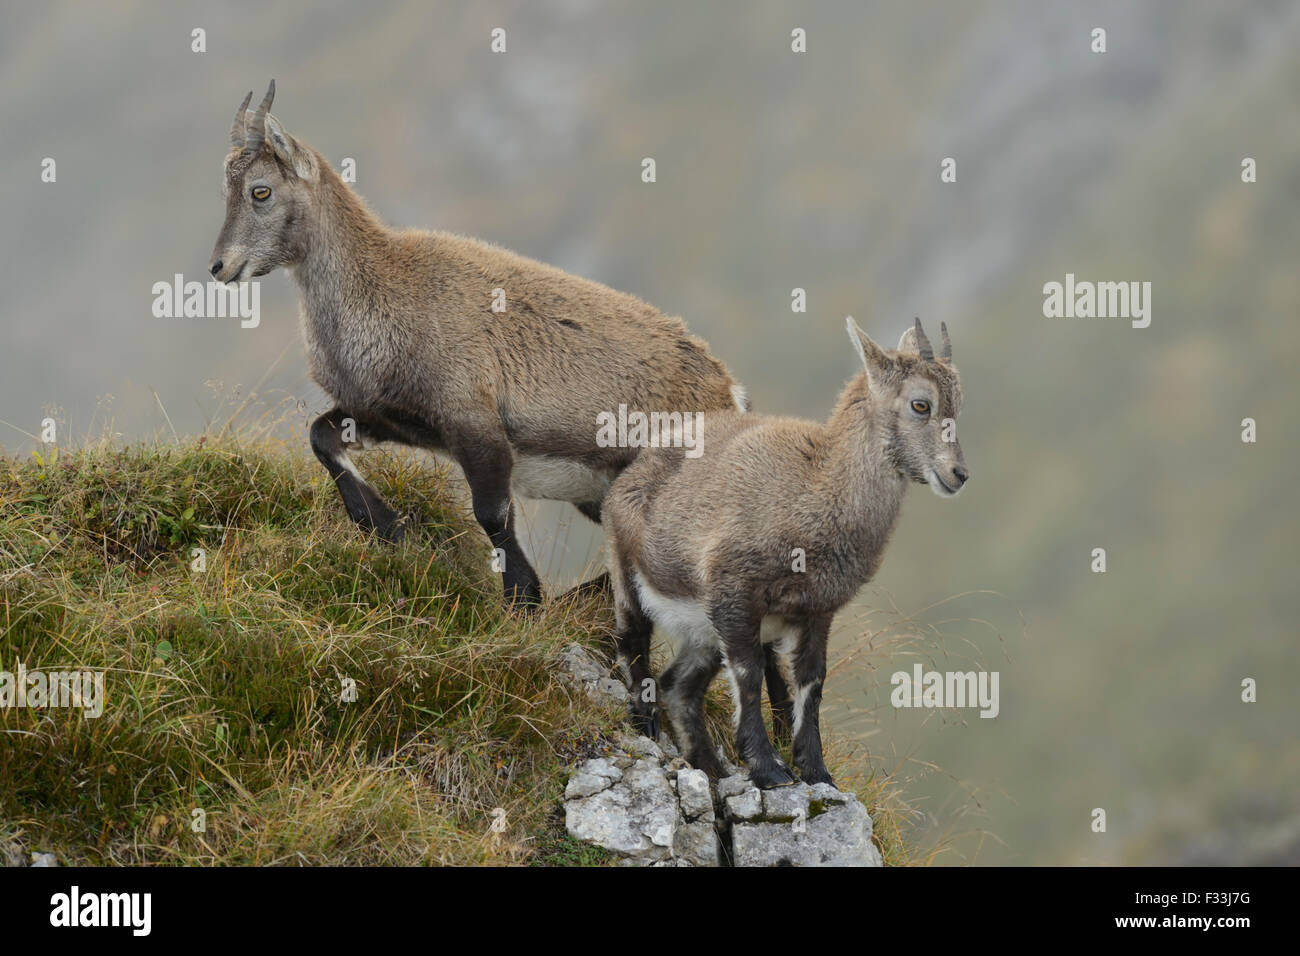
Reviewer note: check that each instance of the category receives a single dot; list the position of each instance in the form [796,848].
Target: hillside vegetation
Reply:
[225,686]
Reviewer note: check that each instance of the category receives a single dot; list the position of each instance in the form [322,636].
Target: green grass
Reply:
[224,686]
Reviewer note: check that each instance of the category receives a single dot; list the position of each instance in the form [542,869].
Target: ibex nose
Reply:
[960,473]
[216,267]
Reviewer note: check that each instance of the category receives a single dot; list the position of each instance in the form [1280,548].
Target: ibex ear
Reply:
[872,356]
[289,151]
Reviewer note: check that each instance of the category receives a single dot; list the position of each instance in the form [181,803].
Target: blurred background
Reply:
[820,171]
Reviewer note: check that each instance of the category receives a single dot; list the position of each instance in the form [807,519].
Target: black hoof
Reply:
[770,777]
[393,530]
[645,719]
[813,777]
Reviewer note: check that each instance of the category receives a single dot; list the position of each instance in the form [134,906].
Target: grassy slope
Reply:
[223,687]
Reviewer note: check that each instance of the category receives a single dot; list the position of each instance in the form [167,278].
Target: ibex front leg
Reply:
[808,665]
[743,658]
[331,434]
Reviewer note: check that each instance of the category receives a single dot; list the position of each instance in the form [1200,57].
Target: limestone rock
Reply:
[645,804]
[803,826]
[635,815]
[696,844]
[584,670]
[693,794]
[593,776]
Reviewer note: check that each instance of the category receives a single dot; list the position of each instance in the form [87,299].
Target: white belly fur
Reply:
[557,479]
[685,620]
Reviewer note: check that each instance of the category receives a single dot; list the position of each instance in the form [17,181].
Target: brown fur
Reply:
[718,533]
[400,332]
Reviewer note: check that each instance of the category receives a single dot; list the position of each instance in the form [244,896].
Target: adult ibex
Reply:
[402,334]
[745,553]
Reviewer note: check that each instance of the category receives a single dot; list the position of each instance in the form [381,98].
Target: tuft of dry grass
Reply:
[234,609]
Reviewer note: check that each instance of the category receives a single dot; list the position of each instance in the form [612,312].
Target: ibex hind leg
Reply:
[632,631]
[684,685]
[807,665]
[363,504]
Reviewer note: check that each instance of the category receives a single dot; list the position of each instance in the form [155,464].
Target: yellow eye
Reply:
[921,407]
[262,192]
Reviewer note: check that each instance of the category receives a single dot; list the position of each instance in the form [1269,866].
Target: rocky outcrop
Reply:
[800,825]
[643,805]
[641,802]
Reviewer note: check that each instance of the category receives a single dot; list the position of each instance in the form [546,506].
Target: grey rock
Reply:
[733,785]
[786,804]
[44,859]
[586,671]
[694,796]
[651,809]
[640,746]
[826,795]
[745,806]
[696,844]
[636,817]
[839,835]
[592,777]
[611,689]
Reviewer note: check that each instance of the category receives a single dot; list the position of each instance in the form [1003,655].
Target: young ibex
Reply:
[746,553]
[402,334]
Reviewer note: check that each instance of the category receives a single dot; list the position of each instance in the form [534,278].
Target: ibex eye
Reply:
[262,193]
[920,407]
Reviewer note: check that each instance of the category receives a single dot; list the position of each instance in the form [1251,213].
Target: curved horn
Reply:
[256,132]
[237,127]
[923,344]
[946,351]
